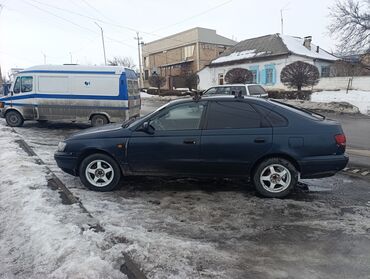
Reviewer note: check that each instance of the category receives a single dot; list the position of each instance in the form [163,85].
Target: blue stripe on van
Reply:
[72,106]
[67,96]
[70,72]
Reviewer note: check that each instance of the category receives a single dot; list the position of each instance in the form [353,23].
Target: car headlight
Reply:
[61,146]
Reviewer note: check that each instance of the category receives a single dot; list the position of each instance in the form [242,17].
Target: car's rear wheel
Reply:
[99,120]
[275,177]
[14,119]
[100,172]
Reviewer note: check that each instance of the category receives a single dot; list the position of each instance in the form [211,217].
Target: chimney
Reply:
[307,42]
[317,49]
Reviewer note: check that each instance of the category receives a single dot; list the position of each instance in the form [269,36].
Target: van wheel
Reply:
[99,120]
[275,178]
[14,119]
[99,172]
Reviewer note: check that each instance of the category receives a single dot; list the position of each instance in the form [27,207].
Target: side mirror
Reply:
[147,128]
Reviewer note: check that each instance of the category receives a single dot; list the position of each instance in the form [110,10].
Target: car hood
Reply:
[105,131]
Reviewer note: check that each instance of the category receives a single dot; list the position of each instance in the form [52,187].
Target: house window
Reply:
[220,79]
[254,74]
[146,75]
[325,71]
[188,51]
[269,75]
[146,62]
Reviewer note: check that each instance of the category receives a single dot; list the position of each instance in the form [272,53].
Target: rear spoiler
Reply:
[312,113]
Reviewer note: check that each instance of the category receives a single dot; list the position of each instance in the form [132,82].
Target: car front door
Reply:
[235,136]
[173,144]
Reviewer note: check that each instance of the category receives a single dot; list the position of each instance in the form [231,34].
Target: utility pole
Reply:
[282,21]
[139,43]
[102,38]
[70,56]
[43,54]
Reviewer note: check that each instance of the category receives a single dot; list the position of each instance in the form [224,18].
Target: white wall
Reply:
[334,83]
[208,77]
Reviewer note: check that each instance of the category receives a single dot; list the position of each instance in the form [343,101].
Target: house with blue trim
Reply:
[265,57]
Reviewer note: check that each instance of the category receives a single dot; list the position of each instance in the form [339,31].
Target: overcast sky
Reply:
[64,31]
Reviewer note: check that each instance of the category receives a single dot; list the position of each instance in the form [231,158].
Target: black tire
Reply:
[14,118]
[99,120]
[106,163]
[42,121]
[275,185]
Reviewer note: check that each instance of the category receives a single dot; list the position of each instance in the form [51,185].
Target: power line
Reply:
[193,16]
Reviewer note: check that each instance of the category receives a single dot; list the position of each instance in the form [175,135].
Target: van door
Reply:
[23,96]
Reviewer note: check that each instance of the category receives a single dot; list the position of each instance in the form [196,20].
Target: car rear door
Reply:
[234,137]
[174,147]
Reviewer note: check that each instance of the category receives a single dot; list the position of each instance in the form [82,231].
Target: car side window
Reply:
[232,115]
[182,117]
[274,119]
[17,86]
[26,84]
[256,90]
[224,90]
[211,91]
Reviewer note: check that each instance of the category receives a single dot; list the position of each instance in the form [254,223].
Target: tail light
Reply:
[340,140]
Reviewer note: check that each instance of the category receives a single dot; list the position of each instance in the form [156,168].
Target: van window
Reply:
[26,84]
[17,86]
[232,115]
[130,87]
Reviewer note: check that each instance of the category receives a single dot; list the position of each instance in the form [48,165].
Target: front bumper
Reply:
[67,162]
[322,166]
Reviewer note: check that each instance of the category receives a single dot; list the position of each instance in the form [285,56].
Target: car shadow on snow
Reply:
[206,185]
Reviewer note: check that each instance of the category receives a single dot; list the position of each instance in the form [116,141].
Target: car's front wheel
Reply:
[14,118]
[100,172]
[275,177]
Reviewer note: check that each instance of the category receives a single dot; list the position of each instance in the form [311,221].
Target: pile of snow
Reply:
[335,107]
[360,99]
[295,45]
[41,237]
[250,53]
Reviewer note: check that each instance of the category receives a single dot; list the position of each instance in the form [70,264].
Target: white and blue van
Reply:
[72,93]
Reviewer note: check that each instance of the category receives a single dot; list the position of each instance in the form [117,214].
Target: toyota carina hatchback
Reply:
[272,143]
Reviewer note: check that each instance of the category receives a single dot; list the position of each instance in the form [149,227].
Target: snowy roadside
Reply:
[41,237]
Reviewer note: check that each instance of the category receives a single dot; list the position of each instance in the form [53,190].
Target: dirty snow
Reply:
[252,53]
[295,45]
[360,99]
[332,107]
[188,228]
[40,237]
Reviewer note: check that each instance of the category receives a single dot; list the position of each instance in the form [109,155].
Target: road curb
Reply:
[129,267]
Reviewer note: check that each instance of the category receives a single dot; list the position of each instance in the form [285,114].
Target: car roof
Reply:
[219,97]
[234,84]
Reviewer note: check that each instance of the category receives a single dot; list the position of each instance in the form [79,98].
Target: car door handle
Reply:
[259,140]
[189,141]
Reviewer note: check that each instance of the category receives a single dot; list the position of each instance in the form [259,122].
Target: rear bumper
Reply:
[67,162]
[322,166]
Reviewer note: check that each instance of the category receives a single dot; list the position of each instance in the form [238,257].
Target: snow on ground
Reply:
[145,95]
[187,228]
[360,99]
[332,107]
[41,237]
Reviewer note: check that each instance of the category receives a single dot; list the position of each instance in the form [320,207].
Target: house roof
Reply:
[271,45]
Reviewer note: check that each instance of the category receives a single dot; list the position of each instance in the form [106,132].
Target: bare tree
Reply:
[299,74]
[124,61]
[191,80]
[157,81]
[239,75]
[351,25]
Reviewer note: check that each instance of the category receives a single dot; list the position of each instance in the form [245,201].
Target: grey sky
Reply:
[31,28]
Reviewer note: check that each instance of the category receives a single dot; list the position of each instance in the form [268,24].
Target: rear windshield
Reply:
[304,112]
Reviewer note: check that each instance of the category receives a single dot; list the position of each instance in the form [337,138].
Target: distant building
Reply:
[188,51]
[265,57]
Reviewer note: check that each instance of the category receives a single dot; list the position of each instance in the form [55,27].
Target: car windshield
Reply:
[133,121]
[301,111]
